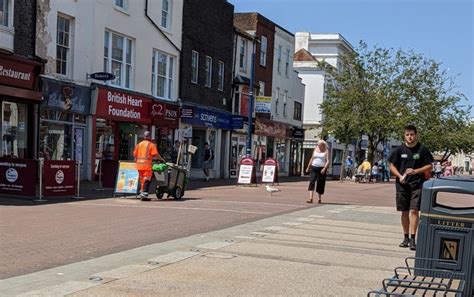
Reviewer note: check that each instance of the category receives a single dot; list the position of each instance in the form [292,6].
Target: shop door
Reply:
[129,136]
[78,145]
[199,138]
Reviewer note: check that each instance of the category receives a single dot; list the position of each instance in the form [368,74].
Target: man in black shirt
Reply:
[409,163]
[208,157]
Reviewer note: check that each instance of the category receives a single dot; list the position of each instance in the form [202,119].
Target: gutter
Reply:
[157,27]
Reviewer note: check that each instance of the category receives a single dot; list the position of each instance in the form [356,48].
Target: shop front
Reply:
[165,120]
[296,151]
[19,99]
[238,142]
[200,125]
[63,123]
[271,140]
[119,121]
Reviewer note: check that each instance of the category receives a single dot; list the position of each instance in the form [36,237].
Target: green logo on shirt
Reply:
[416,156]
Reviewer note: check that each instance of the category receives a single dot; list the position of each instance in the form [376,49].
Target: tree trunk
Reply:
[342,173]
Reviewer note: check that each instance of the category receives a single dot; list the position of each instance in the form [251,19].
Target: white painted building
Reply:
[311,48]
[287,95]
[138,41]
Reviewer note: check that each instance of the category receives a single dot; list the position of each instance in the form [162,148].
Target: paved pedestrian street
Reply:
[223,240]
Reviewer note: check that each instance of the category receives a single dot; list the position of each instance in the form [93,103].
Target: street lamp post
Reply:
[250,111]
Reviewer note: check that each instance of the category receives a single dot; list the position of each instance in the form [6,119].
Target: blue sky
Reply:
[439,29]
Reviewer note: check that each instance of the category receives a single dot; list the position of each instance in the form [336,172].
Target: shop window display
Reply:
[281,154]
[14,130]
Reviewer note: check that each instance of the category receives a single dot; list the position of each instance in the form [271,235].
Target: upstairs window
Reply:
[220,74]
[287,62]
[263,51]
[63,50]
[243,54]
[279,59]
[208,71]
[285,99]
[194,67]
[165,14]
[118,59]
[297,111]
[122,4]
[4,7]
[162,75]
[277,100]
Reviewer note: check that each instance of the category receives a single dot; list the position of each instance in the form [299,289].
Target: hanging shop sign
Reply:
[164,114]
[237,122]
[127,178]
[270,128]
[247,171]
[18,176]
[66,97]
[263,104]
[270,171]
[298,133]
[122,106]
[187,112]
[208,118]
[59,178]
[102,76]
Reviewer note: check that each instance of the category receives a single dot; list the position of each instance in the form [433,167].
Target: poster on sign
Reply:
[127,178]
[18,176]
[59,178]
[245,174]
[268,173]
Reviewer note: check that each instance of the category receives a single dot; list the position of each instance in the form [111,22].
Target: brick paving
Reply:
[37,236]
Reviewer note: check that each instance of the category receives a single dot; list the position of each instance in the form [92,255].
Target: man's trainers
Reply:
[412,245]
[144,196]
[404,243]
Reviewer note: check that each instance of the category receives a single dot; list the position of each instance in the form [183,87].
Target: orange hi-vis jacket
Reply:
[144,153]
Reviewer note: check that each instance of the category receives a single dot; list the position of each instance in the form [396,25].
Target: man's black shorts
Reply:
[408,197]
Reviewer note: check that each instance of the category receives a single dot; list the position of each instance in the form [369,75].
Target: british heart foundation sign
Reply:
[59,178]
[18,177]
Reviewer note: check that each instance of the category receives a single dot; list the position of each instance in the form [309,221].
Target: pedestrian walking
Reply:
[409,163]
[348,165]
[145,151]
[448,169]
[208,157]
[438,169]
[317,167]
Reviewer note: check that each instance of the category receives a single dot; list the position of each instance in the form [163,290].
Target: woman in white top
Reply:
[317,167]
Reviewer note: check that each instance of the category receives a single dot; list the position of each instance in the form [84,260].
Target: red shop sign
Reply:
[18,176]
[59,178]
[18,73]
[165,114]
[270,128]
[122,106]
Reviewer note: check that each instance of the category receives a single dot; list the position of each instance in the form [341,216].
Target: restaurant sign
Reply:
[16,73]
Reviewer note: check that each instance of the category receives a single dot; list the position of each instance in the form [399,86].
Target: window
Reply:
[243,54]
[279,59]
[118,58]
[277,99]
[287,63]
[4,7]
[297,111]
[285,98]
[194,67]
[63,45]
[165,13]
[263,51]
[261,90]
[208,72]
[122,4]
[14,130]
[220,74]
[162,75]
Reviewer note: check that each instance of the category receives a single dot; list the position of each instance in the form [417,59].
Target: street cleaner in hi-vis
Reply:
[145,152]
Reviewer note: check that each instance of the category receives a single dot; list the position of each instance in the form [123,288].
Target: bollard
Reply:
[78,180]
[40,167]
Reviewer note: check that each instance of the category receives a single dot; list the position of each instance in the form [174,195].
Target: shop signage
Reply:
[247,171]
[102,76]
[122,106]
[66,97]
[17,73]
[237,122]
[208,118]
[59,178]
[187,112]
[127,178]
[298,133]
[263,104]
[270,128]
[18,176]
[270,171]
[164,114]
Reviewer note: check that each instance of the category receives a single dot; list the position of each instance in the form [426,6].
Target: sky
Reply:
[439,29]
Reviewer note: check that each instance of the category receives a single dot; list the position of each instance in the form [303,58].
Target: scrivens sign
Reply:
[122,106]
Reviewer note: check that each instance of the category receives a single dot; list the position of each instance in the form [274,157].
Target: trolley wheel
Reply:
[159,193]
[178,193]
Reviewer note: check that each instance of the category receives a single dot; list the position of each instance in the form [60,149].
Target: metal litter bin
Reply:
[446,227]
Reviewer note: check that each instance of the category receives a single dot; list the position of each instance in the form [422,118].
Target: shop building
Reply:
[206,82]
[139,44]
[20,72]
